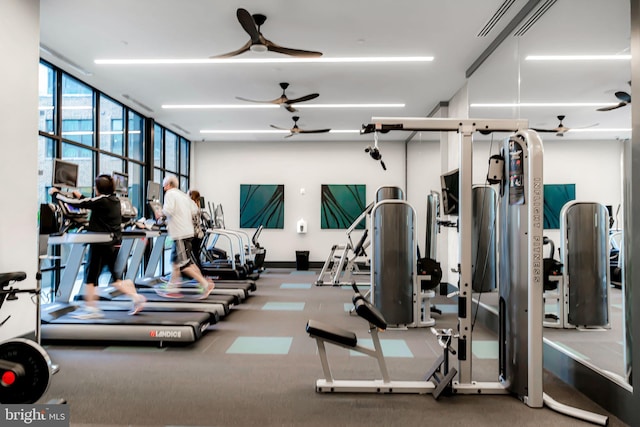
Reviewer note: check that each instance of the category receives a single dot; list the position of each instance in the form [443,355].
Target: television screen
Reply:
[156,208]
[121,181]
[450,192]
[65,174]
[126,208]
[153,190]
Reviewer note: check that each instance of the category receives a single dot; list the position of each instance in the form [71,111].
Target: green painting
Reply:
[340,205]
[555,197]
[261,204]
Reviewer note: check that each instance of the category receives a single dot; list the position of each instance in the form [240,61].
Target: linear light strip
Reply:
[572,130]
[217,106]
[539,104]
[261,106]
[350,105]
[266,131]
[186,61]
[577,57]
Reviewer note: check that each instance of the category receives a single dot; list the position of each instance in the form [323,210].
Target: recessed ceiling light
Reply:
[577,57]
[186,61]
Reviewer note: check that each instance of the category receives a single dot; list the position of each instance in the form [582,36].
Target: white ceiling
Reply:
[86,30]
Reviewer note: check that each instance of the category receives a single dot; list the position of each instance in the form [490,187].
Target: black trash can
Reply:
[302,260]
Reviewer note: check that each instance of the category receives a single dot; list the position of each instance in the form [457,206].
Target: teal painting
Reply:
[340,205]
[555,197]
[261,204]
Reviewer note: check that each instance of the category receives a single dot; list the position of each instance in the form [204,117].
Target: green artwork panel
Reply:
[261,205]
[555,197]
[340,205]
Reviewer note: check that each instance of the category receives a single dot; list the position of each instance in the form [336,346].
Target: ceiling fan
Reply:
[624,99]
[561,129]
[257,43]
[283,100]
[296,130]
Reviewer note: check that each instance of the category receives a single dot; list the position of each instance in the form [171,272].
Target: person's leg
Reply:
[95,267]
[193,271]
[90,295]
[127,286]
[92,274]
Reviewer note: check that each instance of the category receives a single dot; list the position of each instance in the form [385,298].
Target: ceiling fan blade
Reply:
[272,47]
[623,96]
[255,100]
[289,108]
[279,128]
[249,25]
[544,130]
[303,98]
[243,49]
[277,101]
[290,135]
[314,131]
[612,107]
[587,127]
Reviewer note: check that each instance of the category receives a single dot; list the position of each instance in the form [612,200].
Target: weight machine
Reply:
[340,266]
[519,173]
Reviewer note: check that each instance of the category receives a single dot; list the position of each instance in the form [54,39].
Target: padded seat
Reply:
[331,333]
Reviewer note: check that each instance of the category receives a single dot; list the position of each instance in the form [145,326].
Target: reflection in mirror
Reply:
[570,103]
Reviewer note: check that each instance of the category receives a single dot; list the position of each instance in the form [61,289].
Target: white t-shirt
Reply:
[179,210]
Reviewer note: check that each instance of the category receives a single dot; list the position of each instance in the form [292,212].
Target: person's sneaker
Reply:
[138,304]
[88,313]
[204,293]
[167,291]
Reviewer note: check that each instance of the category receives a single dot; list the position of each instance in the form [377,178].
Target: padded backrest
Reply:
[369,312]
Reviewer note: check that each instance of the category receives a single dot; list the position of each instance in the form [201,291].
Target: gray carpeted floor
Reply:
[203,385]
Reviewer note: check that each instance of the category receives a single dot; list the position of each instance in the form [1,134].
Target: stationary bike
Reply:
[25,367]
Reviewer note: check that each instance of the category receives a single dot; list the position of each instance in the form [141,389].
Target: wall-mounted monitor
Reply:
[153,190]
[65,174]
[450,192]
[121,182]
[203,205]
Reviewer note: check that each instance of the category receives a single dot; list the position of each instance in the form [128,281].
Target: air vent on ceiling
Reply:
[495,18]
[180,128]
[535,16]
[138,103]
[46,49]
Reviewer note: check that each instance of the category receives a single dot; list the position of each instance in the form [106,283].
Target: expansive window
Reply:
[79,124]
[136,136]
[47,94]
[77,107]
[111,126]
[46,154]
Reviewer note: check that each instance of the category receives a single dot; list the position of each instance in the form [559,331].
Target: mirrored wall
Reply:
[535,74]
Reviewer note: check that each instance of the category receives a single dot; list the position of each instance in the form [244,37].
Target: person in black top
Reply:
[105,216]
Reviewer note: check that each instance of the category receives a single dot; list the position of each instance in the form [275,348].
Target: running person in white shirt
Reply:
[179,210]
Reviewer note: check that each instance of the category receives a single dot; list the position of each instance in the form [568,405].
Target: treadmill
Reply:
[240,288]
[116,325]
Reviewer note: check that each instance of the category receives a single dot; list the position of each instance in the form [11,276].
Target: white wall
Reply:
[20,34]
[220,168]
